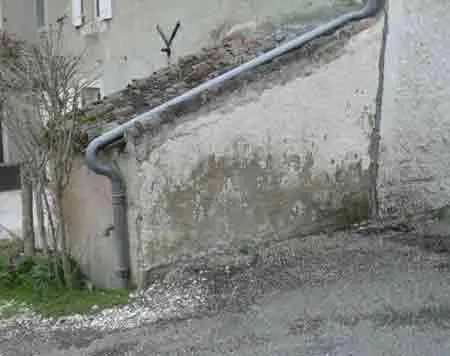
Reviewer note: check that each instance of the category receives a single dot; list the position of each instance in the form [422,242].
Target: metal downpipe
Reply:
[107,169]
[120,233]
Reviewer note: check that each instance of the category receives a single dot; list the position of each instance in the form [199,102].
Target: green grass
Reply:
[8,309]
[80,302]
[9,248]
[63,302]
[51,301]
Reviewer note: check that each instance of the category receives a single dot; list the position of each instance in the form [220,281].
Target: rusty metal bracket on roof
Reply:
[108,169]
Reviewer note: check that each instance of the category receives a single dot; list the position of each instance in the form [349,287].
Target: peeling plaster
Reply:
[295,154]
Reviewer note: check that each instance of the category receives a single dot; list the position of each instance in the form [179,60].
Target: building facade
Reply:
[126,40]
[15,17]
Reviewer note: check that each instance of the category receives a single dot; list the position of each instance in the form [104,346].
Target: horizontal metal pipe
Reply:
[369,10]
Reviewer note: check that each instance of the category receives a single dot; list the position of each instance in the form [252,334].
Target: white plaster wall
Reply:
[326,117]
[132,33]
[415,127]
[18,16]
[15,18]
[88,208]
[129,47]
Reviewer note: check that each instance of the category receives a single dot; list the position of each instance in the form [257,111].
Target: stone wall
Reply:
[285,154]
[415,126]
[288,152]
[192,70]
[304,145]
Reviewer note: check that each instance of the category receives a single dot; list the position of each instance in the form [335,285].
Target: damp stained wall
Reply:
[415,124]
[287,153]
[270,160]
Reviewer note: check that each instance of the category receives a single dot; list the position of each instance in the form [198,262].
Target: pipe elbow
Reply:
[373,7]
[95,164]
[92,158]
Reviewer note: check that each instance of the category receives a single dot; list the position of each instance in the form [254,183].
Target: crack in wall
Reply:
[375,137]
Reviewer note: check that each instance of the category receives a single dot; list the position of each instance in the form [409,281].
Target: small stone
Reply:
[124,111]
[280,35]
[171,91]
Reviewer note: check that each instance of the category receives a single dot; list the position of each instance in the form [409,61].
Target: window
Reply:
[97,8]
[77,12]
[1,143]
[40,13]
[89,95]
[103,9]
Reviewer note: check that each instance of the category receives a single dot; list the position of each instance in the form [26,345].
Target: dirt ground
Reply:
[375,291]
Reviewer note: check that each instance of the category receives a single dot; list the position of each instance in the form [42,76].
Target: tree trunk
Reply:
[65,253]
[27,213]
[52,234]
[40,215]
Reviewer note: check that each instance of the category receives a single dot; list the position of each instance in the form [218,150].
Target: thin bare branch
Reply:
[40,87]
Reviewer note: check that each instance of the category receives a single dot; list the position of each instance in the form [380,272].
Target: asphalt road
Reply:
[348,294]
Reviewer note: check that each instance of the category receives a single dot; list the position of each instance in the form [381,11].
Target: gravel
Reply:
[345,284]
[191,291]
[159,301]
[187,290]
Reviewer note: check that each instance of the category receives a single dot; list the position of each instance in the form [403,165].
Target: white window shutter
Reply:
[77,12]
[105,9]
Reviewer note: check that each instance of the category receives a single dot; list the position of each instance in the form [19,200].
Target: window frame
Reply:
[78,13]
[41,13]
[84,103]
[103,10]
[97,9]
